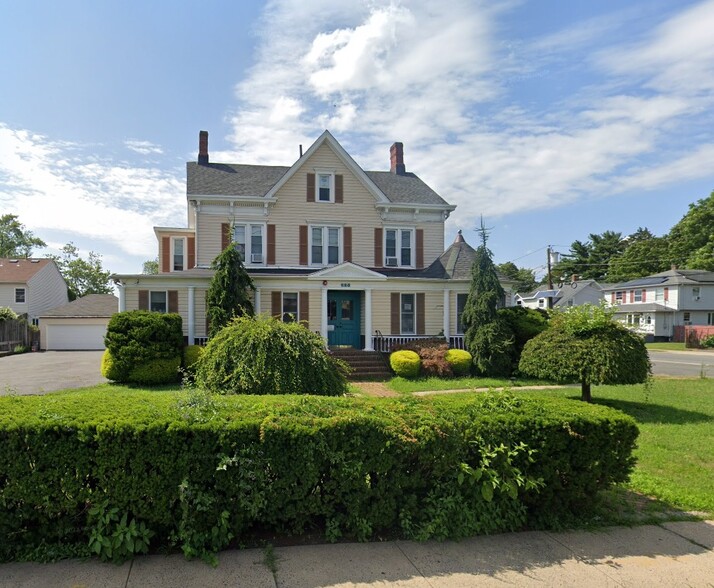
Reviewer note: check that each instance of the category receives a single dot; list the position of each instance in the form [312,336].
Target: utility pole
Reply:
[550,278]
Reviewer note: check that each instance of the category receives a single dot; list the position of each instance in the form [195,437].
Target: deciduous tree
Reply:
[83,276]
[584,344]
[15,239]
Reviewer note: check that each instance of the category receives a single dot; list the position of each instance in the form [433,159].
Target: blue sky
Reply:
[552,119]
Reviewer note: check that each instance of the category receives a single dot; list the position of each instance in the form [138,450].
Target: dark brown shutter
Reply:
[165,254]
[311,187]
[271,245]
[143,300]
[191,252]
[173,300]
[612,298]
[303,245]
[420,248]
[644,295]
[276,304]
[347,242]
[225,235]
[666,293]
[378,256]
[420,326]
[304,306]
[395,314]
[339,194]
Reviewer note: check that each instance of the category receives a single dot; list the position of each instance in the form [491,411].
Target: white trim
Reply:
[282,304]
[447,314]
[323,319]
[331,174]
[347,271]
[368,340]
[23,289]
[398,245]
[325,245]
[414,311]
[165,293]
[191,315]
[248,246]
[184,255]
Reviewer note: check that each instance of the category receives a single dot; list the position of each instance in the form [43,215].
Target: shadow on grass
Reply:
[648,412]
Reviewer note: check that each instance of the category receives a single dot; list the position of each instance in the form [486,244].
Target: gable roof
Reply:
[19,271]
[91,305]
[224,179]
[670,277]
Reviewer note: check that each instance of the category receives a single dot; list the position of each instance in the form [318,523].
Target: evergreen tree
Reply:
[229,293]
[524,278]
[487,336]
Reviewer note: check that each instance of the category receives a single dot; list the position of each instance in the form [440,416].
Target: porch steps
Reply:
[366,365]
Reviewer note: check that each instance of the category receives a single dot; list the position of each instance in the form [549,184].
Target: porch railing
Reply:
[385,343]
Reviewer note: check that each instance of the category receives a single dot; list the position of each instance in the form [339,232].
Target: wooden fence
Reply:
[17,332]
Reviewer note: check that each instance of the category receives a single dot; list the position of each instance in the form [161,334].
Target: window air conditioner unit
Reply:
[256,258]
[391,262]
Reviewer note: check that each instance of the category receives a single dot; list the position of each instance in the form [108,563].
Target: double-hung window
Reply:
[696,293]
[20,296]
[659,294]
[290,307]
[710,318]
[178,254]
[399,247]
[249,242]
[638,295]
[158,301]
[619,297]
[408,314]
[325,246]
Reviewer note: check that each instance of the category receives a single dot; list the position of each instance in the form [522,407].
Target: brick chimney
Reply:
[396,159]
[203,147]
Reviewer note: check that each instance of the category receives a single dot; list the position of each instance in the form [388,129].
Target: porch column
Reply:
[323,315]
[447,313]
[191,315]
[122,296]
[368,320]
[256,302]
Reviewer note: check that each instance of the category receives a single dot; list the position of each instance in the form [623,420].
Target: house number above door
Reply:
[345,285]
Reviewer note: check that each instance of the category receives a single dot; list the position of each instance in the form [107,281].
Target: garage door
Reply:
[65,337]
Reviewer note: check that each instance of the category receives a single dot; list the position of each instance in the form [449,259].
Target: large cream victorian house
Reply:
[357,255]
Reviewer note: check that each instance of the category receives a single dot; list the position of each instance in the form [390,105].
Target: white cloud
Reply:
[53,186]
[143,147]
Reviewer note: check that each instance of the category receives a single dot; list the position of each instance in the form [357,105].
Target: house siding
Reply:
[46,290]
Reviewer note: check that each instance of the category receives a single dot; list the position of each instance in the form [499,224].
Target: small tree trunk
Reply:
[585,392]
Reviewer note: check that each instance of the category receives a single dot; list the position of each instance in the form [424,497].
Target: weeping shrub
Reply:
[262,355]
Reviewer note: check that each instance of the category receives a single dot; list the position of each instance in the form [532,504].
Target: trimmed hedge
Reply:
[198,471]
[141,342]
[405,363]
[460,361]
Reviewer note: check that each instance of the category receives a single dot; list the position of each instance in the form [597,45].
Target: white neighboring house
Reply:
[656,305]
[79,325]
[573,294]
[31,286]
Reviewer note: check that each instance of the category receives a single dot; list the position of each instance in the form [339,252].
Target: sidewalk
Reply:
[673,554]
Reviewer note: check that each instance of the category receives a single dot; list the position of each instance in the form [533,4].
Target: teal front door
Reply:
[343,318]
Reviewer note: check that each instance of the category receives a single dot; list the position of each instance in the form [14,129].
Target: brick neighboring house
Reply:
[660,306]
[358,255]
[31,286]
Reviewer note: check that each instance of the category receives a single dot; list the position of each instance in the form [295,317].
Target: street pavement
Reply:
[670,554]
[683,364]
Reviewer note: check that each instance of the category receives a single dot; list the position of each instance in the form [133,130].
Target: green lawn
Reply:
[406,386]
[675,454]
[665,346]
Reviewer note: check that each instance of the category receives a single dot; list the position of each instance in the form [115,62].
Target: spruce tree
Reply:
[229,294]
[487,336]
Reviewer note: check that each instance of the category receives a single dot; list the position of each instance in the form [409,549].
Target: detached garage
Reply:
[79,325]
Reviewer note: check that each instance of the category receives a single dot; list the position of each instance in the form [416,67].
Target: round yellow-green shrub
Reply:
[405,363]
[108,368]
[191,353]
[460,361]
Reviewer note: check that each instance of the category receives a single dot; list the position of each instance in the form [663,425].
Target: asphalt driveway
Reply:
[38,373]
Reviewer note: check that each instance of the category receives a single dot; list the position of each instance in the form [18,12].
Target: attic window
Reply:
[324,187]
